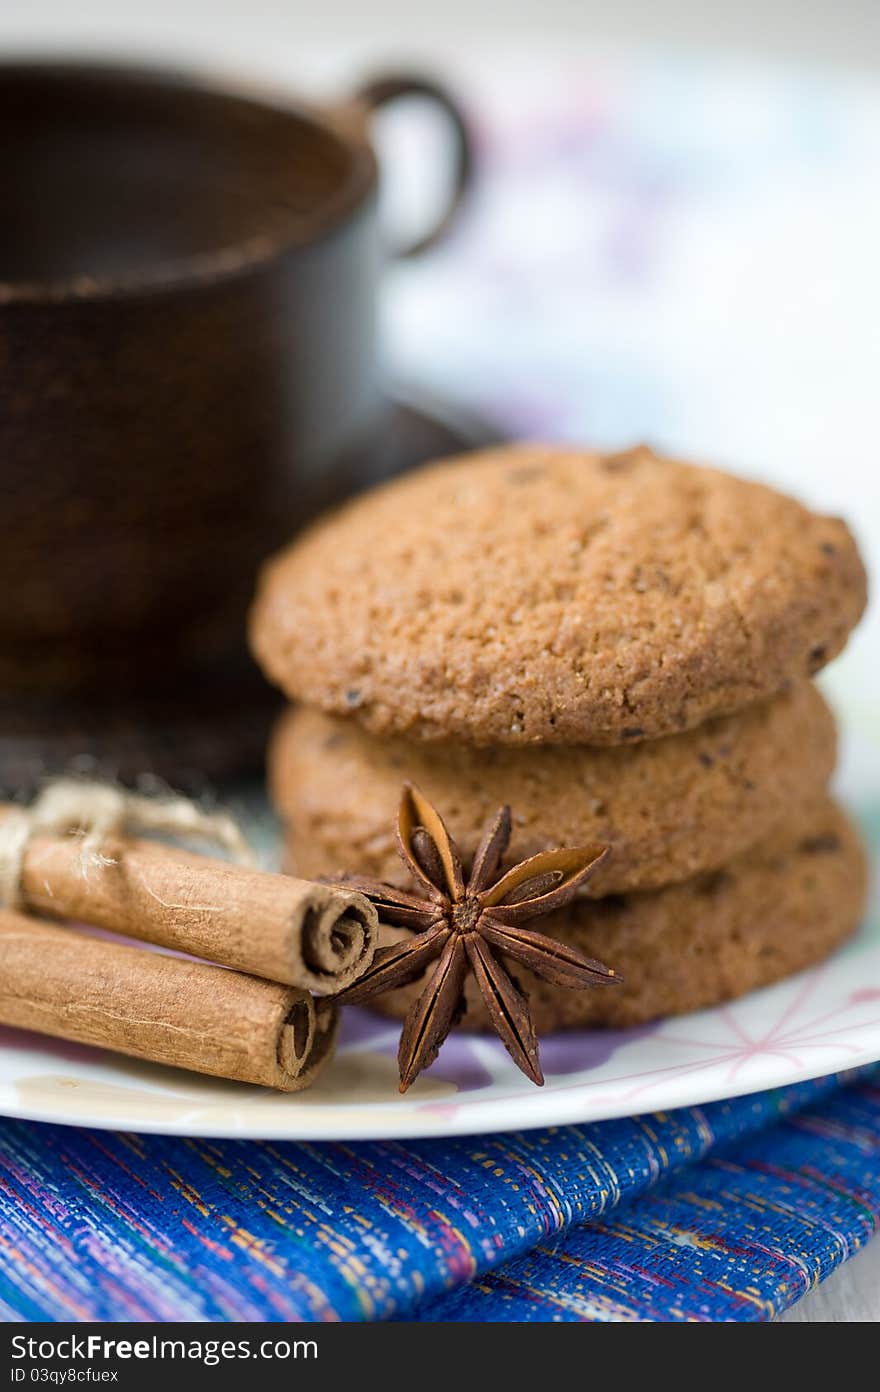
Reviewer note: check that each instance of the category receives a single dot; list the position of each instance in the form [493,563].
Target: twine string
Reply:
[99,812]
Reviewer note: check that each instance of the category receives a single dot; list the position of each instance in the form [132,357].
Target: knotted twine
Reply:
[99,812]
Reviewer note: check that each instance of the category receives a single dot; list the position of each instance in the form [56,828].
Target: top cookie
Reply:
[534,594]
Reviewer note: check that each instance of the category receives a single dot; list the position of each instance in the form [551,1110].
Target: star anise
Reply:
[463,924]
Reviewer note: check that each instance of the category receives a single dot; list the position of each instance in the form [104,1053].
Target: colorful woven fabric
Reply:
[96,1225]
[739,1237]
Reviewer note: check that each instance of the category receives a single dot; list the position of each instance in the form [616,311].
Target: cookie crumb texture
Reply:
[772,912]
[668,808]
[535,594]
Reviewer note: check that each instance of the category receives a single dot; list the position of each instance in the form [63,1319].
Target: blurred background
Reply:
[673,235]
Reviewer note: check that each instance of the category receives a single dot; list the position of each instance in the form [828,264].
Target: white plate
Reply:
[817,1022]
[820,1021]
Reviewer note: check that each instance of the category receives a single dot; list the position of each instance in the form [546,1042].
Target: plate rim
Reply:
[449,1128]
[564,1105]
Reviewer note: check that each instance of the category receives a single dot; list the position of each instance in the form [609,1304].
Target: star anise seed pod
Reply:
[465,924]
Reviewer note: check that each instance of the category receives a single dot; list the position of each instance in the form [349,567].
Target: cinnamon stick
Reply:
[165,1009]
[317,937]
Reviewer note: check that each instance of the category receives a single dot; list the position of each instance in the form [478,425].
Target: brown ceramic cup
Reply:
[187,361]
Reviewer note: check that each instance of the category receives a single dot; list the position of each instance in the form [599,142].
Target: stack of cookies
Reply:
[618,646]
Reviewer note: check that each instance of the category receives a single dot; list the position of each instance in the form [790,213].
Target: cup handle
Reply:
[382,91]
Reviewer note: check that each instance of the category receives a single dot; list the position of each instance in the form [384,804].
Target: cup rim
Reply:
[201,268]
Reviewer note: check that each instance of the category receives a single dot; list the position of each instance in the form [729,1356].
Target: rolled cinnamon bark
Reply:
[165,1009]
[314,936]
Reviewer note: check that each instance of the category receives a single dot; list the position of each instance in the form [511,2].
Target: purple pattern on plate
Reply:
[460,1061]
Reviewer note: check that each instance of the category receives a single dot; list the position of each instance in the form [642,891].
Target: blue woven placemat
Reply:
[729,1211]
